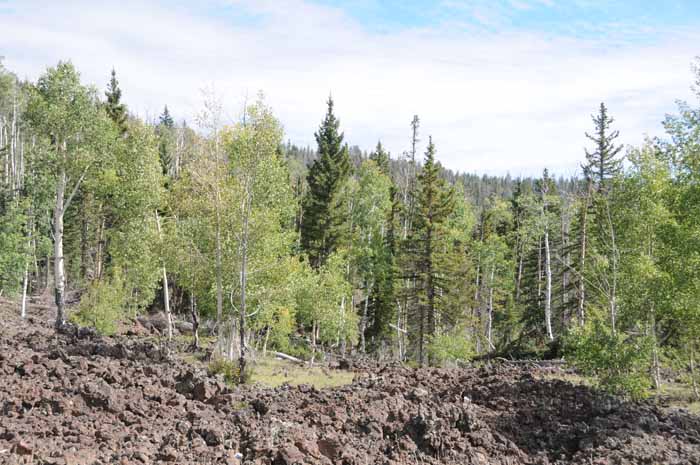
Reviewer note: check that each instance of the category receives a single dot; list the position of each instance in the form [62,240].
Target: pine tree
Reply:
[322,228]
[602,163]
[434,205]
[165,143]
[115,109]
[381,158]
[165,118]
[382,305]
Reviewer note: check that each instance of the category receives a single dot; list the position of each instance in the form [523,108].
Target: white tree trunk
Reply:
[548,296]
[166,290]
[243,310]
[219,283]
[59,268]
[25,283]
[489,329]
[363,322]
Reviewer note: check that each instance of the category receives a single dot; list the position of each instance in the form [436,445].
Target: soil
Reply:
[82,399]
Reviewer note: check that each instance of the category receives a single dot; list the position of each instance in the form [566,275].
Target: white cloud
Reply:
[513,101]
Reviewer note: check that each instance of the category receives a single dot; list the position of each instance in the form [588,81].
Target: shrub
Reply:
[619,362]
[229,370]
[449,348]
[102,306]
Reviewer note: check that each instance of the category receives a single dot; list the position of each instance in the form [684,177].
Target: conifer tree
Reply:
[165,144]
[115,109]
[165,119]
[434,205]
[381,158]
[602,163]
[322,228]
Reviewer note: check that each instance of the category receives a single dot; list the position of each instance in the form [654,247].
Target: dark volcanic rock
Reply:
[77,398]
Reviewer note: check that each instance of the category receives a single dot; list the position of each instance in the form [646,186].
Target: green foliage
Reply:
[619,362]
[456,261]
[323,301]
[230,371]
[450,348]
[602,164]
[427,249]
[323,228]
[102,306]
[371,258]
[13,247]
[115,108]
[131,193]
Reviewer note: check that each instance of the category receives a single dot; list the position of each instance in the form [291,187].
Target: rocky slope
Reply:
[82,399]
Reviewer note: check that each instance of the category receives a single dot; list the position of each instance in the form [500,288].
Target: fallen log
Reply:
[554,362]
[289,358]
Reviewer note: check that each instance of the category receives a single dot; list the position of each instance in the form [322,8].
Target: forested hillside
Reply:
[311,250]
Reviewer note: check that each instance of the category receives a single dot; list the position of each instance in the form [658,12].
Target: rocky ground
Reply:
[83,399]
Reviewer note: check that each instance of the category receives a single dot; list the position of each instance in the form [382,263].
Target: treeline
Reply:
[310,250]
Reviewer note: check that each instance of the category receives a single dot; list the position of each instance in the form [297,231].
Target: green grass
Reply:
[272,373]
[671,394]
[572,378]
[679,395]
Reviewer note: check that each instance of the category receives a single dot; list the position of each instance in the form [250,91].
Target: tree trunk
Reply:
[59,268]
[25,284]
[47,274]
[540,272]
[363,322]
[100,247]
[489,331]
[399,334]
[219,284]
[267,338]
[195,320]
[477,306]
[244,278]
[166,289]
[614,264]
[582,259]
[548,296]
[166,303]
[519,279]
[692,373]
[314,327]
[83,240]
[656,369]
[25,280]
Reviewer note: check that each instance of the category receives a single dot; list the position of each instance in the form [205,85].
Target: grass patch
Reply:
[569,377]
[678,395]
[671,394]
[272,373]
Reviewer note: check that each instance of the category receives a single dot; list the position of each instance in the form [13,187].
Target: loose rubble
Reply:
[82,399]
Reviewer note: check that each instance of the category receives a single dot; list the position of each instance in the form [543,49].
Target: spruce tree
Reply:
[602,164]
[383,303]
[323,227]
[165,118]
[434,205]
[115,109]
[165,143]
[381,158]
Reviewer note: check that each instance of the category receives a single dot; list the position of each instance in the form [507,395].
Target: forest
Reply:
[309,251]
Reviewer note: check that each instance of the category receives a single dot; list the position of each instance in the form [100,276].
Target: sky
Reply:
[502,86]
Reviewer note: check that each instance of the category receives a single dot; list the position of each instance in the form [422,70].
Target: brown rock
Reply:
[212,435]
[203,391]
[81,457]
[22,448]
[330,447]
[289,455]
[168,454]
[308,447]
